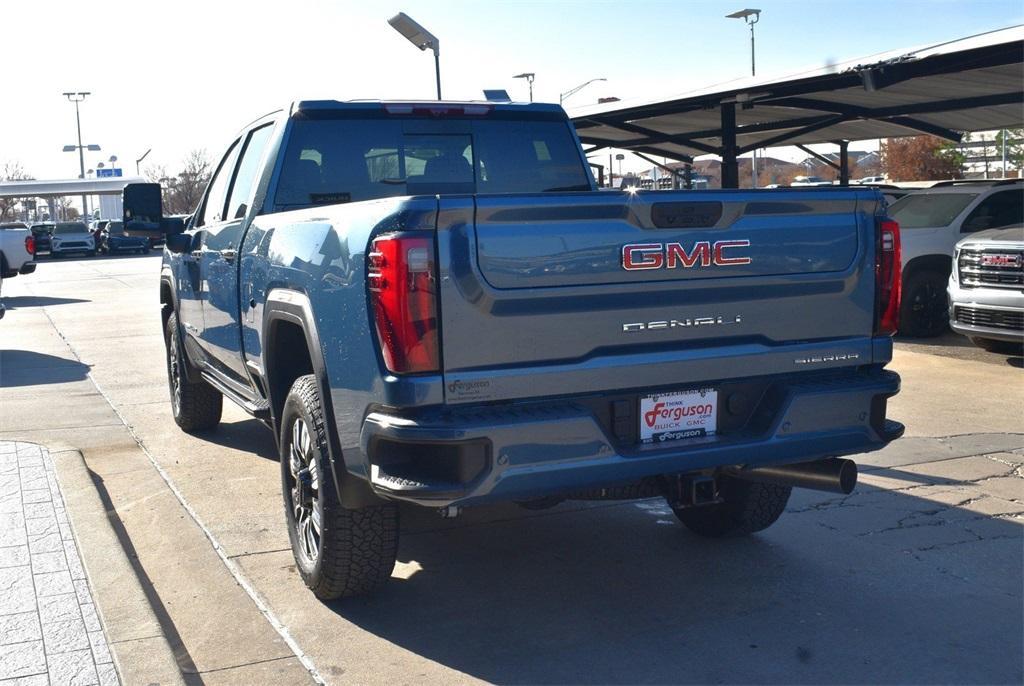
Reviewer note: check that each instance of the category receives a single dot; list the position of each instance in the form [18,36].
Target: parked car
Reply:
[799,181]
[986,289]
[72,237]
[870,180]
[115,240]
[17,249]
[932,221]
[43,235]
[415,330]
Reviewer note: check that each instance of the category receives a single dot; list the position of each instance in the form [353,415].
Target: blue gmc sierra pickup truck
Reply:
[431,303]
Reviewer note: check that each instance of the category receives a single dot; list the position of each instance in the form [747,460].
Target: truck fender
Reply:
[293,307]
[169,304]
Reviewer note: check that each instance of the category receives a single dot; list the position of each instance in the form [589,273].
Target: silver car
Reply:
[986,289]
[72,237]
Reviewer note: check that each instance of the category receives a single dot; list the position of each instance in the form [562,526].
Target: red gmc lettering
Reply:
[642,256]
[637,256]
[720,246]
[676,252]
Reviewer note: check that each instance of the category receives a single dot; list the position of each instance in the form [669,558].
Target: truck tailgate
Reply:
[555,294]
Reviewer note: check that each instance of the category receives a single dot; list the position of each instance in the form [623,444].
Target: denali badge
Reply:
[683,323]
[821,359]
[637,256]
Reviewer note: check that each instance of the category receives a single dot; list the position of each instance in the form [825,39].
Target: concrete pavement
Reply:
[916,578]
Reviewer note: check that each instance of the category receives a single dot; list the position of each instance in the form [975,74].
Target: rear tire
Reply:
[195,404]
[1000,347]
[748,507]
[339,552]
[924,309]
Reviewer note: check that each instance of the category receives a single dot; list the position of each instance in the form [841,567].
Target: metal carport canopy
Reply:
[971,84]
[60,187]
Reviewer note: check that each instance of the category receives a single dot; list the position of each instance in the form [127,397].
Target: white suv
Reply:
[986,290]
[932,221]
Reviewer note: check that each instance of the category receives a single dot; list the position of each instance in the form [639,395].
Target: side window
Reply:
[999,209]
[213,206]
[248,170]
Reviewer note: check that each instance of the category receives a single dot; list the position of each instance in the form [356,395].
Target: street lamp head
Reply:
[70,148]
[745,15]
[414,33]
[528,75]
[93,147]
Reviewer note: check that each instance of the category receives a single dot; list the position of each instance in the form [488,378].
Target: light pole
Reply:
[421,38]
[751,17]
[77,97]
[139,161]
[573,91]
[528,75]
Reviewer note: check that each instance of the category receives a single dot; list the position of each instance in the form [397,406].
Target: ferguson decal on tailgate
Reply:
[639,256]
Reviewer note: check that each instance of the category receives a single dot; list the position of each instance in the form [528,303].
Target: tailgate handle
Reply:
[686,215]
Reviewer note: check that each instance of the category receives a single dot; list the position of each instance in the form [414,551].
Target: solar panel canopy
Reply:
[971,84]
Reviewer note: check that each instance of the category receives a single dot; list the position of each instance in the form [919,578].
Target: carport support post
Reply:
[844,163]
[730,168]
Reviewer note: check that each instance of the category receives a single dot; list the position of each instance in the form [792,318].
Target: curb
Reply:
[137,642]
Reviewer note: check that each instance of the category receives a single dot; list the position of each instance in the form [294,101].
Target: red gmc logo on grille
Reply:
[639,256]
[1000,260]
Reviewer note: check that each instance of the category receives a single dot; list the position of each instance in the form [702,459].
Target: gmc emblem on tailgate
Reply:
[637,256]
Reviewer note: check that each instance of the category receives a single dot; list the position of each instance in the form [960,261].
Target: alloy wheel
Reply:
[305,491]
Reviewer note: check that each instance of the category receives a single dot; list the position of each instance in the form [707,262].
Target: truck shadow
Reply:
[24,301]
[29,368]
[879,587]
[248,436]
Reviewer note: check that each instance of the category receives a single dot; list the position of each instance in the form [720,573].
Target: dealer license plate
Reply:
[675,416]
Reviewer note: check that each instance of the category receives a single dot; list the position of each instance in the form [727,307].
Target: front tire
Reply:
[924,309]
[196,405]
[747,507]
[339,552]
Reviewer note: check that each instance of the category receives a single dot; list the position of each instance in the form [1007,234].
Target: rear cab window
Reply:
[346,159]
[929,210]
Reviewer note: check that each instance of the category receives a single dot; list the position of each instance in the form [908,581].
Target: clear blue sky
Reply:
[179,75]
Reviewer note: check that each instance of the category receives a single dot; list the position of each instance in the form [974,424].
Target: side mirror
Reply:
[143,210]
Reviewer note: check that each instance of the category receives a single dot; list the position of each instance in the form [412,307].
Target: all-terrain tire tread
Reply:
[201,404]
[358,547]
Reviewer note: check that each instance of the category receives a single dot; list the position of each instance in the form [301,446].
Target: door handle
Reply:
[228,254]
[196,254]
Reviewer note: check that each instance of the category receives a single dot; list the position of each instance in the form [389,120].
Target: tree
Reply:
[12,171]
[65,210]
[921,158]
[181,192]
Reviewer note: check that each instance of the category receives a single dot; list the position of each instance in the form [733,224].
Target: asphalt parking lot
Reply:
[915,578]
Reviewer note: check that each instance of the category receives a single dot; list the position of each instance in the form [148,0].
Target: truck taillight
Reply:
[403,294]
[888,278]
[30,245]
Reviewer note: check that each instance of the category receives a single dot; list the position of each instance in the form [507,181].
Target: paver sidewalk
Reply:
[50,632]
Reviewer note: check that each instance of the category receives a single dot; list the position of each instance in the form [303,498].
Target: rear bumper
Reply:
[27,268]
[517,452]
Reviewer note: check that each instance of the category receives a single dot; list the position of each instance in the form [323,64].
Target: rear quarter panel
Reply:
[321,253]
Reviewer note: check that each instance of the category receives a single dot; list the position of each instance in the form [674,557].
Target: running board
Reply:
[260,410]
